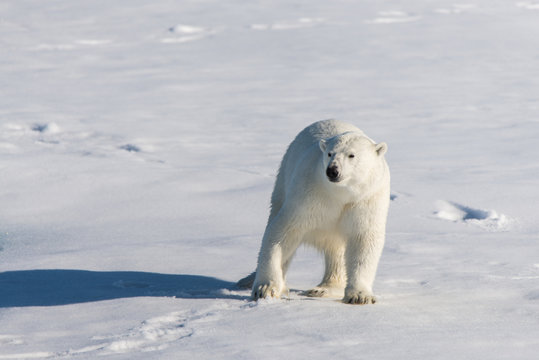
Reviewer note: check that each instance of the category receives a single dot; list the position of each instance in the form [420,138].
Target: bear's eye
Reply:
[351,156]
[329,154]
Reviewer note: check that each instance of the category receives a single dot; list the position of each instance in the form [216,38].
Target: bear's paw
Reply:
[316,292]
[262,291]
[359,298]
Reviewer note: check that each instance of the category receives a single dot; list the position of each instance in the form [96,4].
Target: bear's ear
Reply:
[381,148]
[323,145]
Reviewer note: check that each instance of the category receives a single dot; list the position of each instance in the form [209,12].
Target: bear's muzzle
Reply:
[332,172]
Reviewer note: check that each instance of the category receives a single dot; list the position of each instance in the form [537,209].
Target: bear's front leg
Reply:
[269,281]
[281,239]
[364,226]
[362,256]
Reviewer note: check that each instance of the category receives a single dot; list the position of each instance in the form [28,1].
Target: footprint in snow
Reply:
[152,334]
[48,133]
[399,195]
[10,340]
[393,17]
[145,150]
[130,148]
[49,128]
[487,219]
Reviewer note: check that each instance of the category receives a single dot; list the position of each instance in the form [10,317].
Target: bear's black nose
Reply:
[332,173]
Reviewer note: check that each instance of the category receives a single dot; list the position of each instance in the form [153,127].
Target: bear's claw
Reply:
[316,292]
[264,291]
[359,299]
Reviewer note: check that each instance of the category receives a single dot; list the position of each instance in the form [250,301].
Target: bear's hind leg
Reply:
[334,279]
[247,282]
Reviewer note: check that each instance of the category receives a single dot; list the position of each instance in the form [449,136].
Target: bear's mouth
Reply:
[335,179]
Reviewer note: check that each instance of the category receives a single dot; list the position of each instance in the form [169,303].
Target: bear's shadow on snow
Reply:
[63,287]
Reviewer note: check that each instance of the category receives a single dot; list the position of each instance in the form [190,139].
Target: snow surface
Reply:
[139,141]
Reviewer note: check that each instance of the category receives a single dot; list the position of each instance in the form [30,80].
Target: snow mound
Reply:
[186,33]
[186,29]
[487,219]
[393,17]
[300,23]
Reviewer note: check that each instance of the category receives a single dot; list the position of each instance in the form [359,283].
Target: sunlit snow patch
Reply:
[392,17]
[93,42]
[486,219]
[290,25]
[528,5]
[186,33]
[186,29]
[53,47]
[456,9]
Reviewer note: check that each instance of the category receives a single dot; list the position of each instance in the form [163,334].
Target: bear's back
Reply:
[324,129]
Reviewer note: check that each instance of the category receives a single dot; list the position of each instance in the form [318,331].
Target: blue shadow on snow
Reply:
[63,287]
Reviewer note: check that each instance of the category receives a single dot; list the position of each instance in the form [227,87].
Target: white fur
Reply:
[345,220]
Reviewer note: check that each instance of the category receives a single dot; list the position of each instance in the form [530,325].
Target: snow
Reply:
[139,141]
[487,219]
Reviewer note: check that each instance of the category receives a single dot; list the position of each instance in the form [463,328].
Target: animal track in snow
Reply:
[130,148]
[399,195]
[486,219]
[10,340]
[392,17]
[290,25]
[152,334]
[16,138]
[50,128]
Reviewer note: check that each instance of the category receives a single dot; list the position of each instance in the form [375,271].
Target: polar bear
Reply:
[331,192]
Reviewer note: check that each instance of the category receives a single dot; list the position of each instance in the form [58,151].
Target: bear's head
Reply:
[351,158]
